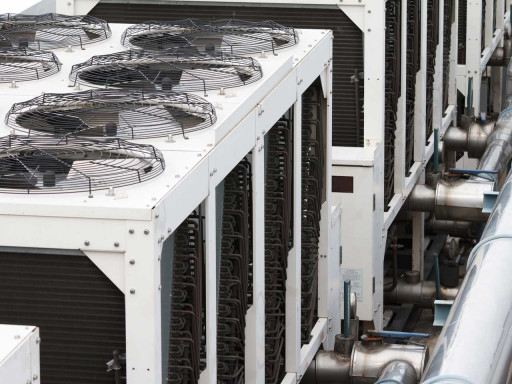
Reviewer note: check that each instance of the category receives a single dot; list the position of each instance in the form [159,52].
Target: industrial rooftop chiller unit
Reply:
[165,207]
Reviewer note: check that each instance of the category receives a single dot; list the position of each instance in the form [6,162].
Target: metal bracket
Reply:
[441,311]
[489,201]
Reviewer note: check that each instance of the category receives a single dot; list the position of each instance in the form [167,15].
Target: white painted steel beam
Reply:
[134,223]
[255,324]
[293,280]
[374,72]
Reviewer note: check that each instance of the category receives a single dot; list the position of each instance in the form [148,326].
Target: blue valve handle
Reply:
[397,335]
[488,175]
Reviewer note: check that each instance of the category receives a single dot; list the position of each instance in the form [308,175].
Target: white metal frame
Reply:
[365,251]
[364,240]
[124,234]
[369,16]
[19,354]
[476,58]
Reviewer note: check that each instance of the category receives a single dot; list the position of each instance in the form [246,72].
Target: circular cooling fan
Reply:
[61,165]
[18,64]
[229,36]
[181,70]
[50,30]
[127,114]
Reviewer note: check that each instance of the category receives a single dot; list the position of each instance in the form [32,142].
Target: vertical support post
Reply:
[469,97]
[293,281]
[474,50]
[211,286]
[329,300]
[143,305]
[346,308]
[420,133]
[438,102]
[420,105]
[437,276]
[489,23]
[255,324]
[498,73]
[436,150]
[401,121]
[418,238]
[374,71]
[418,241]
[452,85]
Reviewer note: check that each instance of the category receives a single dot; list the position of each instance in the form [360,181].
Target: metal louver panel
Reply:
[463,13]
[80,313]
[449,6]
[432,42]
[413,66]
[393,85]
[347,50]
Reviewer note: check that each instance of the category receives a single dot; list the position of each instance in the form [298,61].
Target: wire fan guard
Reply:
[127,114]
[17,64]
[181,70]
[230,36]
[51,30]
[60,165]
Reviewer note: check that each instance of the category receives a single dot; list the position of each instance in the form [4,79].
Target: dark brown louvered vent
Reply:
[80,313]
[347,50]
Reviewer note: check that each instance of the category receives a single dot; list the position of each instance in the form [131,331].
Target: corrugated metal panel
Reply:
[348,46]
[81,314]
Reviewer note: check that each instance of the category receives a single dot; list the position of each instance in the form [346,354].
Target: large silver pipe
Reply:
[370,359]
[398,372]
[456,139]
[472,140]
[422,294]
[368,362]
[463,229]
[459,199]
[498,153]
[422,199]
[456,199]
[328,368]
[476,341]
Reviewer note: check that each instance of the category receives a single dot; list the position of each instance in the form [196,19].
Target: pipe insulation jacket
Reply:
[498,152]
[399,372]
[422,294]
[476,341]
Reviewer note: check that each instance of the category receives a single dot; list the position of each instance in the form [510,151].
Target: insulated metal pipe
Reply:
[422,199]
[463,229]
[460,199]
[370,359]
[498,152]
[422,294]
[369,362]
[456,199]
[398,372]
[472,140]
[456,139]
[328,368]
[476,341]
